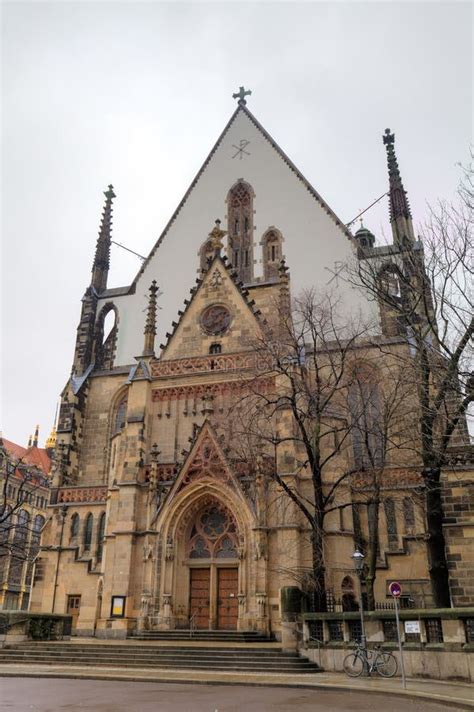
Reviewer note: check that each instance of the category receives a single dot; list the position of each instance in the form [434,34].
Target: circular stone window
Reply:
[215,320]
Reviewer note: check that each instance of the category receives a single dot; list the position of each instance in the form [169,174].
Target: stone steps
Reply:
[139,657]
[214,635]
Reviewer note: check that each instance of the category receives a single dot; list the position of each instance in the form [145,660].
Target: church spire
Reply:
[36,437]
[150,325]
[400,213]
[100,268]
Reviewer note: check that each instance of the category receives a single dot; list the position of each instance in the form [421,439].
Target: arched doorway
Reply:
[213,562]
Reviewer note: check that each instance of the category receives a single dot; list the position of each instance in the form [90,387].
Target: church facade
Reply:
[154,523]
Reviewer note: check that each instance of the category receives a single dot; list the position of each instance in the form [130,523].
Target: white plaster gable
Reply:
[315,242]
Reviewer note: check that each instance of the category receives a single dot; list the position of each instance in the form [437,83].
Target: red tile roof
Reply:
[36,456]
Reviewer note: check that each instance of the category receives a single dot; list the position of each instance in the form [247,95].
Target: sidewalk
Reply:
[460,695]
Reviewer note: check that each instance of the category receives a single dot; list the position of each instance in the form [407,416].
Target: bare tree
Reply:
[424,290]
[381,416]
[20,485]
[301,428]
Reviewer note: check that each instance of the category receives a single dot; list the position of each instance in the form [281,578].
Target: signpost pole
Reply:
[395,594]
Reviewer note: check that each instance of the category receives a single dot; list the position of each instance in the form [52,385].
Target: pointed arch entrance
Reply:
[203,577]
[212,556]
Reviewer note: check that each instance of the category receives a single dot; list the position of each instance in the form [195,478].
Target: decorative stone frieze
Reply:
[82,495]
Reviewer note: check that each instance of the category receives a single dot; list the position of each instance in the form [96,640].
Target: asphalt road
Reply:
[49,695]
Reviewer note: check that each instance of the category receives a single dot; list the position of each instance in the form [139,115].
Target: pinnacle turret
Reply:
[100,268]
[150,324]
[400,213]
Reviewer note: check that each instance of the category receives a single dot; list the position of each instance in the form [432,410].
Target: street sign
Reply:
[395,589]
[412,626]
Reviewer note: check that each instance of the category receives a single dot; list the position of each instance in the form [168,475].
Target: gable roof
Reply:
[198,175]
[244,293]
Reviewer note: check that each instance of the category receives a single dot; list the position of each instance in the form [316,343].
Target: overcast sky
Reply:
[137,93]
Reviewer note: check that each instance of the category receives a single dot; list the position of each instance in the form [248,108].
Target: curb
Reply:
[458,703]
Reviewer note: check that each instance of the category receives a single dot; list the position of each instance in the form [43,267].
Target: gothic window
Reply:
[87,541]
[240,229]
[408,514]
[391,519]
[105,341]
[100,537]
[366,419]
[19,547]
[213,535]
[359,540]
[74,531]
[390,301]
[349,602]
[215,349]
[272,253]
[120,414]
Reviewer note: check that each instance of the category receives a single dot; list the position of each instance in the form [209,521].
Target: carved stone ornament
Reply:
[216,280]
[169,549]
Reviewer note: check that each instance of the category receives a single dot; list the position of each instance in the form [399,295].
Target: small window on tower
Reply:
[215,349]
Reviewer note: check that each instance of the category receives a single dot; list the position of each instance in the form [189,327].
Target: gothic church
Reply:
[152,524]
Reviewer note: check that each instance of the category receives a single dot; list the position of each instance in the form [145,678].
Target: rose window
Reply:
[213,535]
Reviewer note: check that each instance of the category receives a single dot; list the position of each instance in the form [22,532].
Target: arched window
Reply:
[367,427]
[100,537]
[390,302]
[272,253]
[391,519]
[349,601]
[87,540]
[215,348]
[120,414]
[38,524]
[105,341]
[213,535]
[74,531]
[19,547]
[240,229]
[409,515]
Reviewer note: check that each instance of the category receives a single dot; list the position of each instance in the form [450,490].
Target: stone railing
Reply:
[438,643]
[204,364]
[80,495]
[17,626]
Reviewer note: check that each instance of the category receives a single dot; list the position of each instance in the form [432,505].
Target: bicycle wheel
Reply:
[353,665]
[387,664]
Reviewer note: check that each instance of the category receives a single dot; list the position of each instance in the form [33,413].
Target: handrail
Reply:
[192,622]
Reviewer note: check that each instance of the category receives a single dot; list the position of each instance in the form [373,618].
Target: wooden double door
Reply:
[213,600]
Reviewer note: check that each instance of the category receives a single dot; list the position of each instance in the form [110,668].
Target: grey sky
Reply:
[137,93]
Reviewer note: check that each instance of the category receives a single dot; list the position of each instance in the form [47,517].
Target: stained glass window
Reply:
[213,535]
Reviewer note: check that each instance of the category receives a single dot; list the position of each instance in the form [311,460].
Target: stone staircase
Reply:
[133,655]
[223,636]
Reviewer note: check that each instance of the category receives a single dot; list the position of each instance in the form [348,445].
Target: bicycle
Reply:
[383,662]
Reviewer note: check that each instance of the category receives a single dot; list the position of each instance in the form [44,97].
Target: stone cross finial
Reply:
[389,138]
[240,95]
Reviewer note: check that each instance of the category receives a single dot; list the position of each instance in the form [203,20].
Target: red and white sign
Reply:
[395,589]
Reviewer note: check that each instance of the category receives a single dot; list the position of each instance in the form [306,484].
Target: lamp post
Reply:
[358,559]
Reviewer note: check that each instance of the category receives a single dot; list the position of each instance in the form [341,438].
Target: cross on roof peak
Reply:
[389,138]
[241,94]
